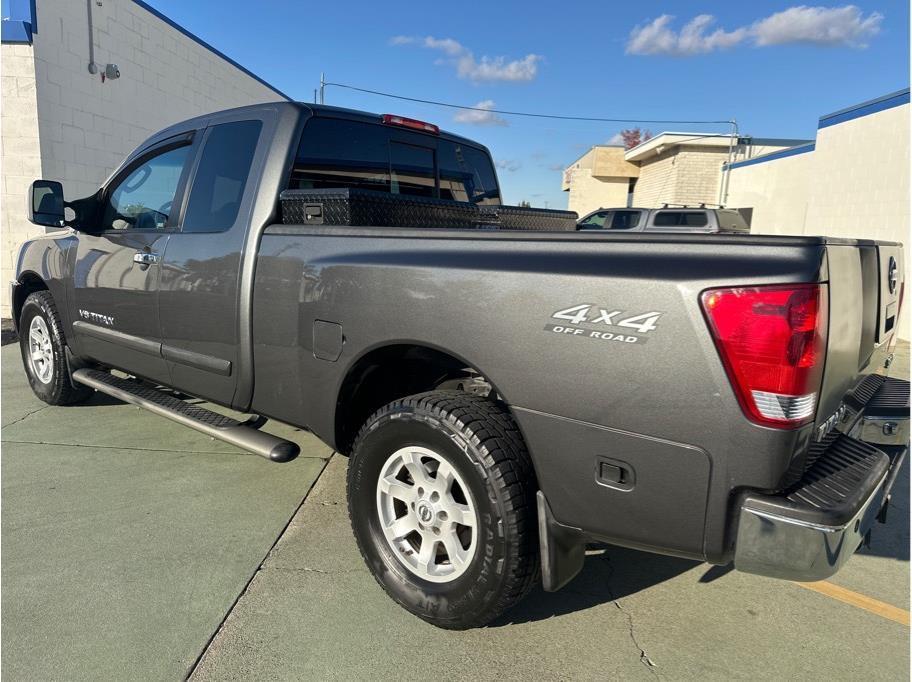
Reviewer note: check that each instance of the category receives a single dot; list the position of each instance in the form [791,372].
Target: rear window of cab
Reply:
[338,153]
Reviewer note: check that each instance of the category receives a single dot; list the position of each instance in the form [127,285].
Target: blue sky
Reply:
[774,66]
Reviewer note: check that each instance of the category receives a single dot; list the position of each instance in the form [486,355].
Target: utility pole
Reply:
[322,86]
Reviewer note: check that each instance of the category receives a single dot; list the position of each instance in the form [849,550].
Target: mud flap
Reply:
[563,548]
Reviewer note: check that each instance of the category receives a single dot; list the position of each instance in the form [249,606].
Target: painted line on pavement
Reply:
[860,601]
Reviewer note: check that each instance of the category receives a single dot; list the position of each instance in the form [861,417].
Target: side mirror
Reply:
[45,203]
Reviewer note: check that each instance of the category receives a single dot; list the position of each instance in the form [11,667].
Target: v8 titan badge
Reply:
[604,324]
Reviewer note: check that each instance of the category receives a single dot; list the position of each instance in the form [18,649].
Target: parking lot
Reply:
[134,548]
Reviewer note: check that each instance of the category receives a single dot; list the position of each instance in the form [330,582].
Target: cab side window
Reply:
[221,177]
[625,220]
[143,200]
[596,220]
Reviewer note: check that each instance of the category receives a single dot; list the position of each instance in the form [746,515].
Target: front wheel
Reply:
[441,496]
[44,352]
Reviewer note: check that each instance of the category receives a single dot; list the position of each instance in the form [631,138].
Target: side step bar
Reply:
[211,423]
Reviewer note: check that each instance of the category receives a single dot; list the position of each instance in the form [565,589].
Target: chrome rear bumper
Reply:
[782,546]
[808,533]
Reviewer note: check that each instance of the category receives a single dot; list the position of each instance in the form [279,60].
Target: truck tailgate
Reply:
[865,284]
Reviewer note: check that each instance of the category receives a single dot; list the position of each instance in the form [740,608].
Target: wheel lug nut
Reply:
[442,515]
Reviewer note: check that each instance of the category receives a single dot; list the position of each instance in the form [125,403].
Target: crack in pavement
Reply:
[27,415]
[631,631]
[644,657]
[307,569]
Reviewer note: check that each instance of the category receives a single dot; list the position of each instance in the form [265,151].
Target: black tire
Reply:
[58,389]
[479,439]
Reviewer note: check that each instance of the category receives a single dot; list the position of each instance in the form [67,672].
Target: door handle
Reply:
[145,258]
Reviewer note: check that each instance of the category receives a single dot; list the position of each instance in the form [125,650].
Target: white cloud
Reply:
[831,26]
[510,165]
[498,68]
[445,45]
[480,118]
[657,38]
[616,139]
[477,70]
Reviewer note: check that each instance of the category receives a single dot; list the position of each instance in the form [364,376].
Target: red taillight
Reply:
[393,120]
[772,340]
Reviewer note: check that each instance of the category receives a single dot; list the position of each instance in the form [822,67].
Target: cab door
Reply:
[117,266]
[201,297]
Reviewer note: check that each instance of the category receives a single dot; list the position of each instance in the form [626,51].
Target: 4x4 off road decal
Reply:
[604,324]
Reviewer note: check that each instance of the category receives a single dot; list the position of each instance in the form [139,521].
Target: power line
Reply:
[517,113]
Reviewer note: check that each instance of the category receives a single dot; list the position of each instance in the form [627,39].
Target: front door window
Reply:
[143,200]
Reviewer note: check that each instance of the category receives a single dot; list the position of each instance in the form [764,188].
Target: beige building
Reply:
[672,168]
[63,119]
[600,177]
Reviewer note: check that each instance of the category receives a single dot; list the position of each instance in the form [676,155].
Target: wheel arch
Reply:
[394,370]
[28,283]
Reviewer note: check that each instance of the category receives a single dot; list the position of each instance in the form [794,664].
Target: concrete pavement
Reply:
[128,540]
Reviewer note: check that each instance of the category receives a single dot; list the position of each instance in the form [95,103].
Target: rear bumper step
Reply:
[808,532]
[211,423]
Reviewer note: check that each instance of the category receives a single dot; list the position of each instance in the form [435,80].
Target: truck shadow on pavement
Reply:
[609,574]
[891,540]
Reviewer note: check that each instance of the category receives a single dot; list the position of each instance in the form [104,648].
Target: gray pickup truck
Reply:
[504,396]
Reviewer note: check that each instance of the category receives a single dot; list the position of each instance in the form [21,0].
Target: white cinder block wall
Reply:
[85,127]
[20,156]
[853,183]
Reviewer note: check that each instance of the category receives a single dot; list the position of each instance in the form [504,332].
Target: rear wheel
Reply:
[441,495]
[44,352]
